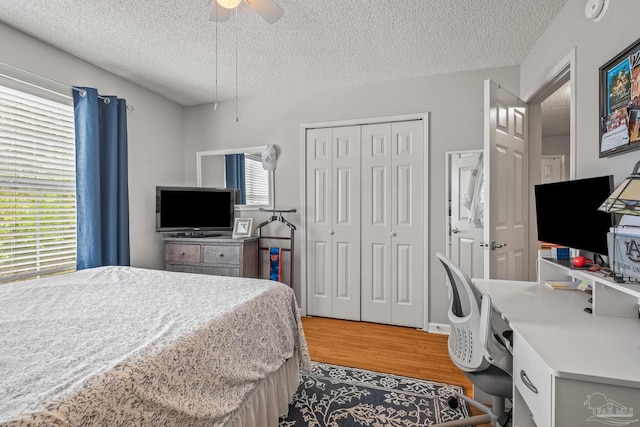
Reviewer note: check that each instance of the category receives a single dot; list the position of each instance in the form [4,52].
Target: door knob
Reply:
[455,230]
[493,246]
[332,232]
[392,234]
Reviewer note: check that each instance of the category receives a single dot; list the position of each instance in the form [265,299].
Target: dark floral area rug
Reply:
[335,396]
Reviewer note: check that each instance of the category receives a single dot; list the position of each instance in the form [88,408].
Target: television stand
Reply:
[222,256]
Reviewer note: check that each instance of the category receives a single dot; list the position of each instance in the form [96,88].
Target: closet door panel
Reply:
[407,227]
[346,223]
[319,173]
[376,223]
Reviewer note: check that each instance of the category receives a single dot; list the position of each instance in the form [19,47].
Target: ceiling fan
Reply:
[268,9]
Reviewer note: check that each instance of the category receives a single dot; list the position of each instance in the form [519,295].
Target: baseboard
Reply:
[439,328]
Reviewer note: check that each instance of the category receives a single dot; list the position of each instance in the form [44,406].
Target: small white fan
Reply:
[269,158]
[268,9]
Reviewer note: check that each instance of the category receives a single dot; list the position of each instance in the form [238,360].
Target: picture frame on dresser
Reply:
[242,227]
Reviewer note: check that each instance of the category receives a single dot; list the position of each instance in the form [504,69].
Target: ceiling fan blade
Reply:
[268,9]
[219,13]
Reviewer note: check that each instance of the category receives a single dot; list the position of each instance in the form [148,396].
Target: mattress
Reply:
[122,345]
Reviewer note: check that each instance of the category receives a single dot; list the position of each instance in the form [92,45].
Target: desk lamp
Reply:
[624,200]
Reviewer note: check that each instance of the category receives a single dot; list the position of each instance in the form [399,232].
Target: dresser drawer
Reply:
[532,379]
[182,253]
[222,254]
[203,269]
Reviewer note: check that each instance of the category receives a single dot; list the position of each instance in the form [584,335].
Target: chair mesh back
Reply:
[465,349]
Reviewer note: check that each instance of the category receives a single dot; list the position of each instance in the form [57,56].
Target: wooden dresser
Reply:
[221,256]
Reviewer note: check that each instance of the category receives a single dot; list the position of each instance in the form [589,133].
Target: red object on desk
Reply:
[581,261]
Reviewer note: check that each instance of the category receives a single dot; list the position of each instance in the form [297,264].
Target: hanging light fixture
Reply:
[229,4]
[221,10]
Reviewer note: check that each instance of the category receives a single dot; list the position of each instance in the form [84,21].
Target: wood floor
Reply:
[382,348]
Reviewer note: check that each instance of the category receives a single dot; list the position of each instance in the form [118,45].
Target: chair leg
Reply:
[498,406]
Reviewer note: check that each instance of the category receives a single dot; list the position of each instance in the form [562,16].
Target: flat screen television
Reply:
[567,213]
[194,210]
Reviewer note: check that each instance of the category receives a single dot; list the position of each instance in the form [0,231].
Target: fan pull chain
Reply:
[215,103]
[237,27]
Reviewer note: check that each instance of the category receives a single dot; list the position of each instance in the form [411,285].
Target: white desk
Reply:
[568,355]
[609,298]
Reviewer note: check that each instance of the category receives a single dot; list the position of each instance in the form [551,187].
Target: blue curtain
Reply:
[101,179]
[234,171]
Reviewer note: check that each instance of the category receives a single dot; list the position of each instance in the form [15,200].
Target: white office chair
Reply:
[477,349]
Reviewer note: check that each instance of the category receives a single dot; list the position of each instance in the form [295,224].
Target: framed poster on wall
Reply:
[620,103]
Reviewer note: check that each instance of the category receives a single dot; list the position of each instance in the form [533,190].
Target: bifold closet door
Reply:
[392,227]
[333,222]
[319,221]
[376,223]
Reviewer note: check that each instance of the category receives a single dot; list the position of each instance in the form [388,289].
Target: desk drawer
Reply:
[175,252]
[222,254]
[582,403]
[532,378]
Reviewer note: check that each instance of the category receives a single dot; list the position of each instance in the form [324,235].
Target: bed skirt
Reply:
[270,399]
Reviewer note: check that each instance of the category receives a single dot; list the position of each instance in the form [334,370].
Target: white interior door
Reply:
[392,223]
[376,223]
[407,265]
[506,172]
[466,197]
[319,207]
[346,223]
[552,168]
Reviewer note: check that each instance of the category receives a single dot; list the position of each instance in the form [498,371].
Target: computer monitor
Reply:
[567,213]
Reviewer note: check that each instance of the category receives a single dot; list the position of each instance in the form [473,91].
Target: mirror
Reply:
[465,210]
[237,168]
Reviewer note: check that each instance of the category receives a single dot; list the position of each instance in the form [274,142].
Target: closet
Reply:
[365,222]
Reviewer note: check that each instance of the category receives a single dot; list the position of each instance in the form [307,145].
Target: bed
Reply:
[128,346]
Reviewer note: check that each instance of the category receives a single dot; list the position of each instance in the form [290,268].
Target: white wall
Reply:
[596,43]
[557,144]
[154,129]
[455,104]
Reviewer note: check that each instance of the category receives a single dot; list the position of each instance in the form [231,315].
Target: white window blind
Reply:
[37,186]
[256,180]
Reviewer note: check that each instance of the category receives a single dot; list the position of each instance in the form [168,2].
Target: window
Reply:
[256,180]
[37,186]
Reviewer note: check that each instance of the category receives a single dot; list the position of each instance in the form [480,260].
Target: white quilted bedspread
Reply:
[128,346]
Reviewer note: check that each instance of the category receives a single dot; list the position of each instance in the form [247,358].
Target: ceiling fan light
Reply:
[229,4]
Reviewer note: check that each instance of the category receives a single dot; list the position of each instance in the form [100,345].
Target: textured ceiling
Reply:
[168,46]
[555,112]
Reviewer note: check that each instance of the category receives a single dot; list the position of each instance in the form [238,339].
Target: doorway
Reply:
[556,134]
[552,135]
[465,210]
